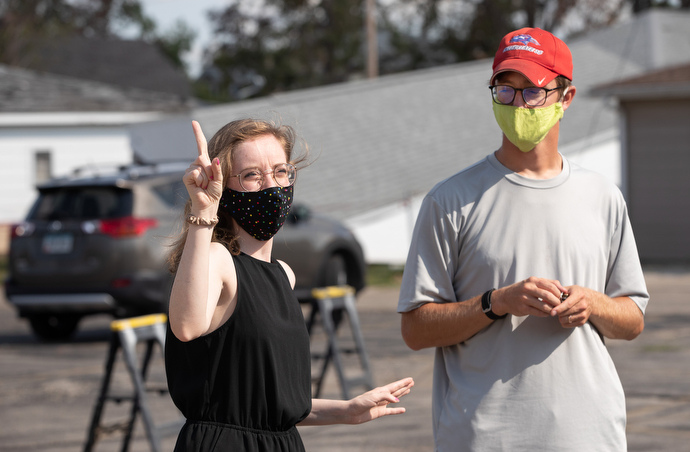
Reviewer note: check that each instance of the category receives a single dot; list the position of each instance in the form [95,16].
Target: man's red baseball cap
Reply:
[534,53]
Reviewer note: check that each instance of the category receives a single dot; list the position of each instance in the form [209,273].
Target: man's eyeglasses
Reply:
[533,96]
[252,179]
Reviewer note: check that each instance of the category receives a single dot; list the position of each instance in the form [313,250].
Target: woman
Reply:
[237,353]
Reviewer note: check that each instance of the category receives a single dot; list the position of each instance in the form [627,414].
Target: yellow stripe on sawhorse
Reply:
[321,293]
[125,335]
[341,300]
[137,322]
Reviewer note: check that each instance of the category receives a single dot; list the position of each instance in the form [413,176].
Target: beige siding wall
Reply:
[658,142]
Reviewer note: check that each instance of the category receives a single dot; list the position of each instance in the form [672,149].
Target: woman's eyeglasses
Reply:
[252,179]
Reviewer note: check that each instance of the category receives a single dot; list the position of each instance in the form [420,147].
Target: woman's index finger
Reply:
[201,144]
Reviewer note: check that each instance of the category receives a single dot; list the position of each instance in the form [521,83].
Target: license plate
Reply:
[58,243]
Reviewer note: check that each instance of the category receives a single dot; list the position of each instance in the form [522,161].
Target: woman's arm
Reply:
[205,269]
[198,281]
[363,408]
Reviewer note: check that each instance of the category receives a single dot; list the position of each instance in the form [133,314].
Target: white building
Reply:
[52,124]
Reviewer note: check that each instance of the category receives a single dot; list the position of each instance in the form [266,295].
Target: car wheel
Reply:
[335,275]
[336,271]
[54,327]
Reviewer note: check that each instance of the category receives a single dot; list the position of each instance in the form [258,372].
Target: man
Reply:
[519,266]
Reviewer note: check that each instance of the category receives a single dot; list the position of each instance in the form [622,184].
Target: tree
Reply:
[641,5]
[26,23]
[447,31]
[176,42]
[268,46]
[279,45]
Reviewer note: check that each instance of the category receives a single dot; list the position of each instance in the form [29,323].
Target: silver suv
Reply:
[97,243]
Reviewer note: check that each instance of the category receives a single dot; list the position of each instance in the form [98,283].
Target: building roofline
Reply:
[673,82]
[73,119]
[645,91]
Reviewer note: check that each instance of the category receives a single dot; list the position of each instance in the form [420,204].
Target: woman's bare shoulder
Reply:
[290,274]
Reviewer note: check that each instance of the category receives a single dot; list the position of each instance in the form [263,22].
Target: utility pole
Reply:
[372,41]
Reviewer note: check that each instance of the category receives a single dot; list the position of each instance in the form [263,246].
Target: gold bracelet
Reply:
[191,219]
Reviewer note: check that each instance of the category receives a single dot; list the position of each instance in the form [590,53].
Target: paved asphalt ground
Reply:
[47,391]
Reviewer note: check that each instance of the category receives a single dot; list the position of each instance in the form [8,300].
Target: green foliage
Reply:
[437,32]
[3,267]
[641,5]
[661,348]
[23,23]
[129,12]
[176,42]
[384,275]
[284,45]
[268,46]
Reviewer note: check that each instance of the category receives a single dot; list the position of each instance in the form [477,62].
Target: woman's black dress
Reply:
[244,386]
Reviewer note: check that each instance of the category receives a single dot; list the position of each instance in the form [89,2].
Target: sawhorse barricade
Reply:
[125,334]
[339,300]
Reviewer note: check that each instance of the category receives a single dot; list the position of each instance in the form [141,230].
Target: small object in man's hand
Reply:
[564,295]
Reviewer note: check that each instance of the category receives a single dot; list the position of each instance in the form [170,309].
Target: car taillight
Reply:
[127,226]
[120,283]
[22,229]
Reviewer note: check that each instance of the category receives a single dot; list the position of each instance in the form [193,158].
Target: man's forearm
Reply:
[617,318]
[443,324]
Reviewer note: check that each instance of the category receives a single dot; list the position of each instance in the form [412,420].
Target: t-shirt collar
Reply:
[526,181]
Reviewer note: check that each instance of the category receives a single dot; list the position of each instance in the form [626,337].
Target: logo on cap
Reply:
[524,41]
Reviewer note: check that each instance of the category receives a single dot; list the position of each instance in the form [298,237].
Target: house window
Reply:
[43,170]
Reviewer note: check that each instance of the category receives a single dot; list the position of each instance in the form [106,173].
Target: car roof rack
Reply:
[131,171]
[109,173]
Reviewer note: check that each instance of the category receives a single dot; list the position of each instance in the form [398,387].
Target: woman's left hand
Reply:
[374,404]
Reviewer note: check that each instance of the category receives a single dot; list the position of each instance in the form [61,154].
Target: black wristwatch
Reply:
[486,306]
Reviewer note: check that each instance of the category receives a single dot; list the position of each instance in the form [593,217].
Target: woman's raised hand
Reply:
[203,178]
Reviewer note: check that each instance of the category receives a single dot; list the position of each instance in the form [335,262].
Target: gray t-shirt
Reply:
[524,383]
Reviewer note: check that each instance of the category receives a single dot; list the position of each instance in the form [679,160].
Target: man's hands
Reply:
[615,318]
[577,308]
[533,296]
[541,297]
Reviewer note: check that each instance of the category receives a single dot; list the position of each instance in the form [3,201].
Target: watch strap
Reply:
[486,306]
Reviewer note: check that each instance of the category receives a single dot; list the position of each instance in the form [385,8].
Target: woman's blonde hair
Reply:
[223,145]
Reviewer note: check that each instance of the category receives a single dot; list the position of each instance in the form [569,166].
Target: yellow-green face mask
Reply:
[527,127]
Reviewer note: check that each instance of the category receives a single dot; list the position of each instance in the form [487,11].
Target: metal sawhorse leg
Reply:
[126,333]
[340,300]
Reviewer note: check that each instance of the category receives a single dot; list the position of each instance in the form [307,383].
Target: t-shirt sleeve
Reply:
[430,266]
[624,274]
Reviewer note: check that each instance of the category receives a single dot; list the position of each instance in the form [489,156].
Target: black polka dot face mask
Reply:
[261,213]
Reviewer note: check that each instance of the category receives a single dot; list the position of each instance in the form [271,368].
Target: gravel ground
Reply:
[47,391]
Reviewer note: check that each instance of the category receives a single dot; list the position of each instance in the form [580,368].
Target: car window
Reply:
[82,203]
[174,194]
